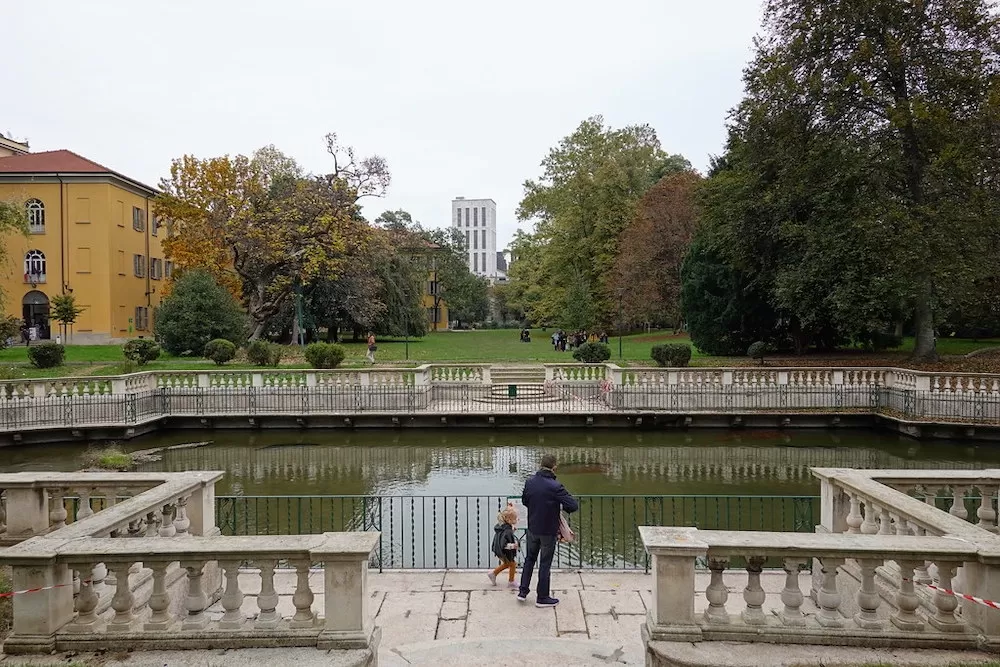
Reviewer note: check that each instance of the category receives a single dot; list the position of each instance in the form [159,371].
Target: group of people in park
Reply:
[561,340]
[545,499]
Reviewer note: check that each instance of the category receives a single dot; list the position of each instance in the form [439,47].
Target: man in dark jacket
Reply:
[544,497]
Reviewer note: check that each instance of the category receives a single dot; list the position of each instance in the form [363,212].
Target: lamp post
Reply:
[621,319]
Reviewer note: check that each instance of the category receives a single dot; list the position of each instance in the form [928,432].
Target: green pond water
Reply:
[490,462]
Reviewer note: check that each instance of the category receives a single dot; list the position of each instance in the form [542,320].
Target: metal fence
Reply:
[431,532]
[301,402]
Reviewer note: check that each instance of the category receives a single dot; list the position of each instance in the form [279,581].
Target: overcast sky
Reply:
[461,98]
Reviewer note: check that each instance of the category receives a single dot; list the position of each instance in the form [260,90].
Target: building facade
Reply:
[91,234]
[476,219]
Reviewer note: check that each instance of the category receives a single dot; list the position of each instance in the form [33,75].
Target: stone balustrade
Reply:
[821,396]
[869,620]
[139,571]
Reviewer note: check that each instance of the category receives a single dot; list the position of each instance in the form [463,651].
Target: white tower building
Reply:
[477,220]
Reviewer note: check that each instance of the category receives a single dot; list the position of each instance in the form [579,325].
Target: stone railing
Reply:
[869,621]
[140,572]
[821,396]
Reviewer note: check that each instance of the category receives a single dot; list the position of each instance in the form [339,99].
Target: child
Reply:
[505,546]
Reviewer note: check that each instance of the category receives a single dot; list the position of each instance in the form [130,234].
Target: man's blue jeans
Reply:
[540,548]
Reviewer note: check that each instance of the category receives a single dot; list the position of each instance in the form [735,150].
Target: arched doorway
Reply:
[35,307]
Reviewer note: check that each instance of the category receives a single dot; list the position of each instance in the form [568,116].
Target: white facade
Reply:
[476,219]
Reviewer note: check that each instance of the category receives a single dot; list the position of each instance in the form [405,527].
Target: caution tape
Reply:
[37,590]
[971,598]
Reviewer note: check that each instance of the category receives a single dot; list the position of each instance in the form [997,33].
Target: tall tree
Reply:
[651,250]
[259,223]
[886,114]
[13,218]
[586,196]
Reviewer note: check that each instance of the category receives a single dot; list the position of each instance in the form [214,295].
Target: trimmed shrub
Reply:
[324,355]
[141,351]
[220,350]
[671,354]
[46,355]
[592,353]
[758,350]
[263,353]
[198,310]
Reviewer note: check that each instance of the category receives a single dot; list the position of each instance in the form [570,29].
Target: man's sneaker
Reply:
[546,602]
[522,597]
[492,577]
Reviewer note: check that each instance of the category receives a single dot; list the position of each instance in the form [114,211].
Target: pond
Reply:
[434,494]
[495,462]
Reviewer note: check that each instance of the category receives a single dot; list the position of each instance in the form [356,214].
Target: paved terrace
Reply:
[435,617]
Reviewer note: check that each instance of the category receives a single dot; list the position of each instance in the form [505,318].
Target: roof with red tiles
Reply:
[59,162]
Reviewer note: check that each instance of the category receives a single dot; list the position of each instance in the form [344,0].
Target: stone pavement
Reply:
[437,617]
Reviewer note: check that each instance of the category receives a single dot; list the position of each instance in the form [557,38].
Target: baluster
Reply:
[945,604]
[901,525]
[958,503]
[84,510]
[907,602]
[3,511]
[57,513]
[868,597]
[123,600]
[753,594]
[152,524]
[986,514]
[884,522]
[717,593]
[232,599]
[181,520]
[870,525]
[829,598]
[267,600]
[854,518]
[167,528]
[791,594]
[159,600]
[196,598]
[86,620]
[303,598]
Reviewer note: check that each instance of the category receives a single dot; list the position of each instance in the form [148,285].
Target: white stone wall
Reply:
[483,246]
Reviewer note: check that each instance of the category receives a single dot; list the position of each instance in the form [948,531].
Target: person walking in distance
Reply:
[371,347]
[545,497]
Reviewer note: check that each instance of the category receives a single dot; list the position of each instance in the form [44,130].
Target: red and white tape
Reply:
[971,598]
[36,590]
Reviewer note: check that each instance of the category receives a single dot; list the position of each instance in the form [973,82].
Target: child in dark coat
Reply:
[505,546]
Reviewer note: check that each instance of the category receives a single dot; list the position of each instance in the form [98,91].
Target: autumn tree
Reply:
[13,219]
[652,248]
[262,220]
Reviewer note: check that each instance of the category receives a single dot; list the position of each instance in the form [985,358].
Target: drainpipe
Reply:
[62,235]
[149,261]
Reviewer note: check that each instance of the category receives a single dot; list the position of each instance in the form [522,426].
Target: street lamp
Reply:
[621,319]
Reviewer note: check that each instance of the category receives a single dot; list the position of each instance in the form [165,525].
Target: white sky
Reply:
[461,98]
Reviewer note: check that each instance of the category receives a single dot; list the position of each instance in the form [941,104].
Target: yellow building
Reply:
[91,235]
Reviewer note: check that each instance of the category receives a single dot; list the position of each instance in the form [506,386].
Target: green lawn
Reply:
[486,346]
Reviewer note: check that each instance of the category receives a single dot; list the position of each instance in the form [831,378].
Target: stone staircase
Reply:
[529,380]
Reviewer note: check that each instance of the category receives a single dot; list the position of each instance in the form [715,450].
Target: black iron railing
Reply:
[430,532]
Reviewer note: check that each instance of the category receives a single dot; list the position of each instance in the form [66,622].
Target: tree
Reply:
[196,311]
[13,219]
[652,248]
[884,114]
[265,222]
[586,196]
[65,311]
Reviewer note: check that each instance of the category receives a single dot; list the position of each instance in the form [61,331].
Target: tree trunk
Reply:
[925,347]
[258,331]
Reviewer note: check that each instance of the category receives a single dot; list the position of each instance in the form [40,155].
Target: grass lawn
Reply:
[485,346]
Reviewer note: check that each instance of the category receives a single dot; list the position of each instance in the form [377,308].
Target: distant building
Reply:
[477,220]
[431,299]
[91,234]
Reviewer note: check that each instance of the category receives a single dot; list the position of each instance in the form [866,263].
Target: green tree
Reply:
[198,310]
[861,139]
[13,218]
[586,196]
[65,312]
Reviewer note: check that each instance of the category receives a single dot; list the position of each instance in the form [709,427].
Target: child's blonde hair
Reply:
[507,515]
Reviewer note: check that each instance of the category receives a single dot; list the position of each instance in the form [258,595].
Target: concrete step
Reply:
[517,375]
[506,651]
